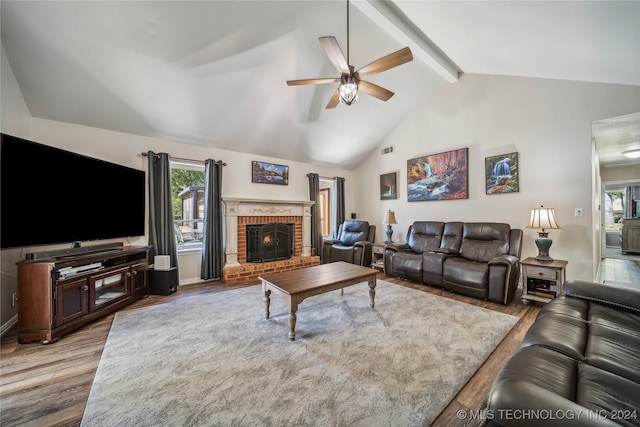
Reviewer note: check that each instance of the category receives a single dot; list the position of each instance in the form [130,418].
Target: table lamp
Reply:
[543,218]
[389,218]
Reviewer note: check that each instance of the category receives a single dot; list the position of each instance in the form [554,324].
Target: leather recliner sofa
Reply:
[577,365]
[480,259]
[352,245]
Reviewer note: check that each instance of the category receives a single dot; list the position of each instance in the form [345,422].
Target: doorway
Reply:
[619,201]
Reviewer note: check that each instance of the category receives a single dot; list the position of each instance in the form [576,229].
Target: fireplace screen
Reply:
[269,242]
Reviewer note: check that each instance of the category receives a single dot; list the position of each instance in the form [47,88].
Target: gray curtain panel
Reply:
[161,227]
[212,244]
[339,205]
[314,196]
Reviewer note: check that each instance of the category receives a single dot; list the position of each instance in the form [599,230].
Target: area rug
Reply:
[215,360]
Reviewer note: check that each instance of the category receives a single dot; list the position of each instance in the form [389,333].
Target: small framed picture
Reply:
[269,173]
[501,173]
[388,186]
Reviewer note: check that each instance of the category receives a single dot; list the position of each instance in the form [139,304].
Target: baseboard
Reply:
[10,324]
[196,281]
[193,281]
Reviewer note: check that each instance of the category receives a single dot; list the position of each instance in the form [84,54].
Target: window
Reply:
[324,206]
[187,181]
[614,209]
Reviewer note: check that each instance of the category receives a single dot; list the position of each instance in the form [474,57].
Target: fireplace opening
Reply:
[269,242]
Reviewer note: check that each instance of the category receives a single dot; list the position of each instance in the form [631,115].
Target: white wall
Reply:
[15,119]
[548,122]
[619,174]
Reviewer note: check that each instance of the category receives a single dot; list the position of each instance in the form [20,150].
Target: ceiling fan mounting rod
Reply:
[348,32]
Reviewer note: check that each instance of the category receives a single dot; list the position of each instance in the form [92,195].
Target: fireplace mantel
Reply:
[237,207]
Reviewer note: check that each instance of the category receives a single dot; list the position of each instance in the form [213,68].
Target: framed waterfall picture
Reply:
[442,176]
[388,186]
[501,173]
[269,173]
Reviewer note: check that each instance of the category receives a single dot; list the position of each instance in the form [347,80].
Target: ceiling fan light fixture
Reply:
[632,154]
[348,89]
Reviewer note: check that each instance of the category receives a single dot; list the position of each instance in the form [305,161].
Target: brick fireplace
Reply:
[242,212]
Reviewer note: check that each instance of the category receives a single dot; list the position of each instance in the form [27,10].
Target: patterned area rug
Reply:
[216,361]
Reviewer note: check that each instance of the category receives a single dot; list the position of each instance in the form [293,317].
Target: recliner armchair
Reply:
[353,244]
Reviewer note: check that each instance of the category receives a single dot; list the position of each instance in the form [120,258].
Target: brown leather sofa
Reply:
[352,245]
[479,259]
[579,363]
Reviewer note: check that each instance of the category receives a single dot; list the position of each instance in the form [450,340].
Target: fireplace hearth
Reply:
[269,242]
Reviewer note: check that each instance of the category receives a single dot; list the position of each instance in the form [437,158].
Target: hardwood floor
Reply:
[48,385]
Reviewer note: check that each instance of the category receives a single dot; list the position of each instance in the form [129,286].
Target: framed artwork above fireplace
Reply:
[269,173]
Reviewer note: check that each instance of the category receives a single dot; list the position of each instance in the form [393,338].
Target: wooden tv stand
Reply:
[59,295]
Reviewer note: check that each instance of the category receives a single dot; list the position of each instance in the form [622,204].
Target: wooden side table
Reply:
[542,280]
[377,256]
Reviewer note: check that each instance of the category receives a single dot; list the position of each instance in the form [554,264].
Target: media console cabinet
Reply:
[59,295]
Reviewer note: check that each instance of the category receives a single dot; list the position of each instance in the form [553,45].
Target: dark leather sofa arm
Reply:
[619,296]
[363,249]
[522,403]
[504,259]
[331,241]
[397,247]
[362,244]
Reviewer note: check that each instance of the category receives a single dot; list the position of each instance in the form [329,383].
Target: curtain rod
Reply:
[184,160]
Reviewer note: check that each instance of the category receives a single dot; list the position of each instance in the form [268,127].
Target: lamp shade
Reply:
[543,218]
[389,218]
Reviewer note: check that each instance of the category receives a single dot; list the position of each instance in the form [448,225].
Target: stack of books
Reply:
[541,288]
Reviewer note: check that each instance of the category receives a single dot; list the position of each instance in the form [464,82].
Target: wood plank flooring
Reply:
[48,385]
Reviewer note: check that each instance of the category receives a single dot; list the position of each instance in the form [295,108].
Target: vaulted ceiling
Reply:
[213,73]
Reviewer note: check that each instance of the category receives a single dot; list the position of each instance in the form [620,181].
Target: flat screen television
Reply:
[52,196]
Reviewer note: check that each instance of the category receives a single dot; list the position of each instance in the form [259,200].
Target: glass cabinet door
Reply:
[109,286]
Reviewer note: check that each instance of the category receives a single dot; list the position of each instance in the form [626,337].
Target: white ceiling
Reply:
[213,72]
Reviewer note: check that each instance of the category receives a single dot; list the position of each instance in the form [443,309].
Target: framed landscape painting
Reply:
[442,176]
[388,186]
[269,173]
[501,173]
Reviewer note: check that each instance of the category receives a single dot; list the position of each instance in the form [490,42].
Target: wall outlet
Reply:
[579,212]
[14,297]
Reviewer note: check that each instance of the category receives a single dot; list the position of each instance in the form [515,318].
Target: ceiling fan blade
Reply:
[335,100]
[386,62]
[311,81]
[375,90]
[333,51]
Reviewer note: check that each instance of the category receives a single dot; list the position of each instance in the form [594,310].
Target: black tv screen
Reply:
[50,196]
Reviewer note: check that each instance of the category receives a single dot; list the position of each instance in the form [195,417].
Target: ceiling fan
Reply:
[351,80]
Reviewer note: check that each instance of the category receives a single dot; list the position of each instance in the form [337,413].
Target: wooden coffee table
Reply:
[295,286]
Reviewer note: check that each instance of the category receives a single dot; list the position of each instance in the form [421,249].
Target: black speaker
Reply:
[353,215]
[163,282]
